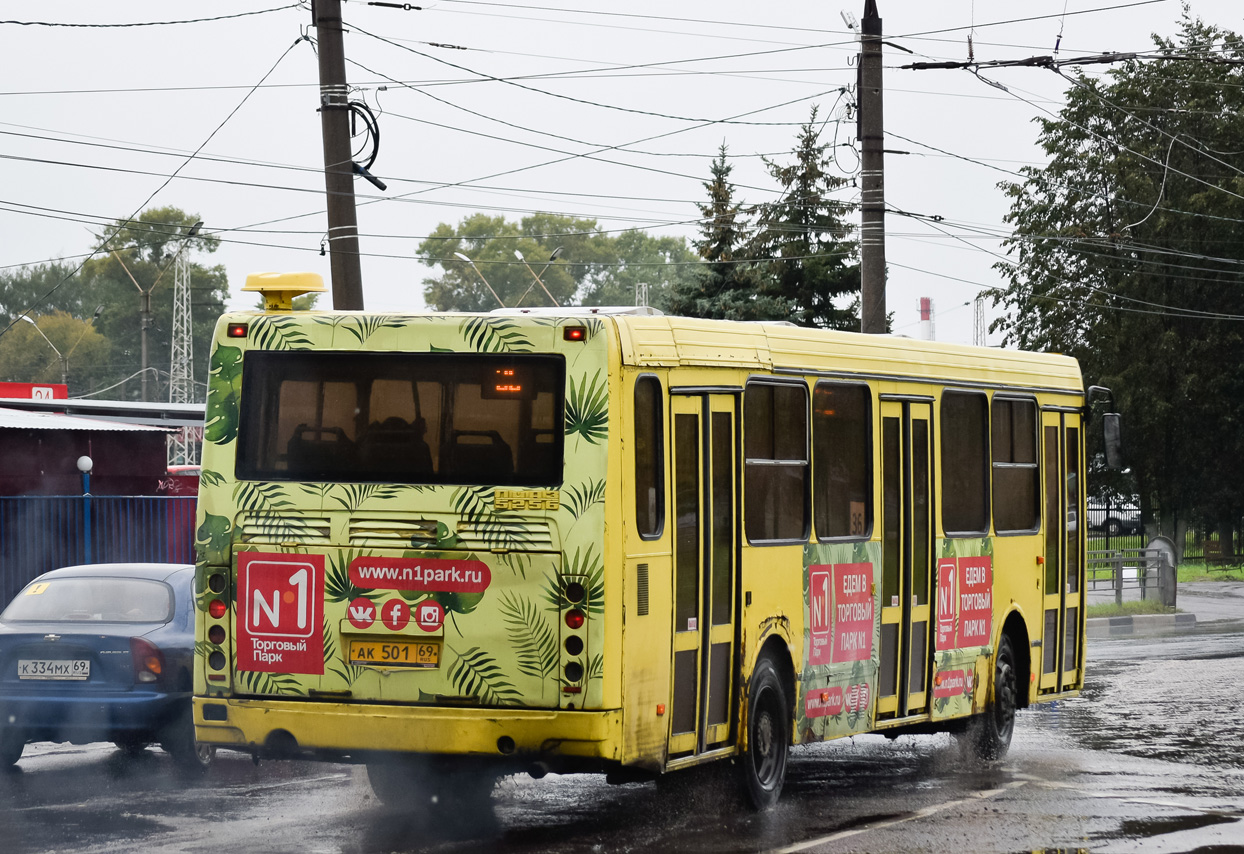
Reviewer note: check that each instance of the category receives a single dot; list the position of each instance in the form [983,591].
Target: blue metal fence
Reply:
[42,532]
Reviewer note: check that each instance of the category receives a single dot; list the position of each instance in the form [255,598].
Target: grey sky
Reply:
[96,119]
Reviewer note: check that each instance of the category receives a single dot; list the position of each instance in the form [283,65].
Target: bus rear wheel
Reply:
[768,737]
[415,782]
[989,734]
[12,743]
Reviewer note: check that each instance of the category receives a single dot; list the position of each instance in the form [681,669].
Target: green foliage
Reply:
[255,682]
[279,332]
[495,335]
[337,584]
[1126,254]
[802,240]
[55,345]
[585,564]
[728,285]
[143,249]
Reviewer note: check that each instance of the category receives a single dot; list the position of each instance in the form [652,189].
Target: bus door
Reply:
[705,464]
[1064,562]
[907,557]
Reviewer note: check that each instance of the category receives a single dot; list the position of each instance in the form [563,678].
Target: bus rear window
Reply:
[402,418]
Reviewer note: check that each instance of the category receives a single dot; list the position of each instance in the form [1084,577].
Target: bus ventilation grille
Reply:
[641,589]
[530,536]
[273,528]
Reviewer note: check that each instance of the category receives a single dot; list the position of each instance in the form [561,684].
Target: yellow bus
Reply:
[454,546]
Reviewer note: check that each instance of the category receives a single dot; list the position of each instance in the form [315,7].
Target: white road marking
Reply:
[880,825]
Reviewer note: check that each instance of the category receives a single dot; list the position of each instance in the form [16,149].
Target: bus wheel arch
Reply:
[988,734]
[1016,631]
[768,724]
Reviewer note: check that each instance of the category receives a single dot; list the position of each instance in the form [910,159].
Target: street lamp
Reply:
[462,257]
[552,258]
[64,361]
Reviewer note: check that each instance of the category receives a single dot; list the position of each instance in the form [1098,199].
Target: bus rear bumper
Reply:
[355,730]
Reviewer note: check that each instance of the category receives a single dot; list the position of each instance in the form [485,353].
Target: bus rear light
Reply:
[217,608]
[236,330]
[575,619]
[216,677]
[148,660]
[216,660]
[574,645]
[574,672]
[216,634]
[574,333]
[572,689]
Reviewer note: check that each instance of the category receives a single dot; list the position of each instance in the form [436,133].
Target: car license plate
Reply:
[395,653]
[51,668]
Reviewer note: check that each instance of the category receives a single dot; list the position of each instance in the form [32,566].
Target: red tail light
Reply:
[148,660]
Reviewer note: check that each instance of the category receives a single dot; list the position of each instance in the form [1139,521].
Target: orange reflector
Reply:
[571,689]
[660,709]
[236,330]
[217,608]
[1040,559]
[216,677]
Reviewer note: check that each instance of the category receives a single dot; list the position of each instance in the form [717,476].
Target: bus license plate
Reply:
[395,653]
[50,668]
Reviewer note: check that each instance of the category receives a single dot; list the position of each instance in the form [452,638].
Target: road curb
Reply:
[1104,627]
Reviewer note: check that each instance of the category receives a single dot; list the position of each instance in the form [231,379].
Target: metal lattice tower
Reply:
[182,449]
[978,328]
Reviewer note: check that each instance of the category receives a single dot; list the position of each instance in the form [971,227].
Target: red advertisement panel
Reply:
[853,612]
[946,573]
[820,614]
[975,601]
[827,702]
[950,683]
[280,625]
[433,574]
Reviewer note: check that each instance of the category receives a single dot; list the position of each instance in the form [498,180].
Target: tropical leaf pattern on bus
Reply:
[255,682]
[496,530]
[532,639]
[364,326]
[338,665]
[587,409]
[352,496]
[213,540]
[495,335]
[578,499]
[587,564]
[279,332]
[210,478]
[475,673]
[256,496]
[337,584]
[224,381]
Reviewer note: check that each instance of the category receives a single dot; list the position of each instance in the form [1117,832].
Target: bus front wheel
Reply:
[768,736]
[989,734]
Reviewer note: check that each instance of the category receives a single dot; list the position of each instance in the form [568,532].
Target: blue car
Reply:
[101,653]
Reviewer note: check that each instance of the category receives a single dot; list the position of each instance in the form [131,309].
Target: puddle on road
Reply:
[1170,710]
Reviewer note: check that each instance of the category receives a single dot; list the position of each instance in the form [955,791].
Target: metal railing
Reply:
[1148,571]
[43,532]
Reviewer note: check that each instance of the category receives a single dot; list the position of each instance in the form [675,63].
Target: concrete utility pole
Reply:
[871,133]
[343,231]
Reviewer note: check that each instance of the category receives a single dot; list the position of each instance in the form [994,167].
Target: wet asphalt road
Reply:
[1151,759]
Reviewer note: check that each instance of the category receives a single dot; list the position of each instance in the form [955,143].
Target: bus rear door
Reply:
[705,570]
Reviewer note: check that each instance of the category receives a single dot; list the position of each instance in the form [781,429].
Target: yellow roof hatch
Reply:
[279,289]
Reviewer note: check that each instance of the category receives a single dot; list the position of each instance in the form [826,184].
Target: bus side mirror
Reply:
[1112,426]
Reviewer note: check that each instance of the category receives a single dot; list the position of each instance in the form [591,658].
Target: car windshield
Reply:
[96,599]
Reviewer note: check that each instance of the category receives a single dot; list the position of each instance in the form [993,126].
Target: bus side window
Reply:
[842,460]
[965,463]
[1015,479]
[649,459]
[775,435]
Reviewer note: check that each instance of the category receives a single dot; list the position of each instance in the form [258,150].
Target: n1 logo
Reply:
[281,613]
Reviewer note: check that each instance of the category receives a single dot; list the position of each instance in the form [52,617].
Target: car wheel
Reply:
[12,743]
[131,747]
[188,754]
[763,764]
[988,735]
[1113,527]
